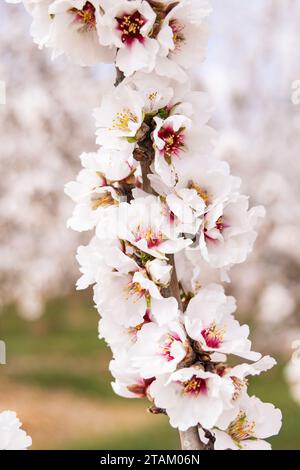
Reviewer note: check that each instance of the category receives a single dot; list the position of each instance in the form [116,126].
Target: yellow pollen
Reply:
[216,333]
[241,429]
[169,140]
[200,191]
[135,289]
[102,200]
[123,119]
[194,386]
[153,96]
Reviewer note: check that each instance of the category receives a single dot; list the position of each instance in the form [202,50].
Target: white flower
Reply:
[116,164]
[127,26]
[41,20]
[11,436]
[73,30]
[120,338]
[202,184]
[156,92]
[119,117]
[194,272]
[70,27]
[228,234]
[100,257]
[183,38]
[128,297]
[159,271]
[191,396]
[159,350]
[238,375]
[176,138]
[128,383]
[255,422]
[147,224]
[91,193]
[209,321]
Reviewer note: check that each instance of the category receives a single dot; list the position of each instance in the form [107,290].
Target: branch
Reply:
[144,153]
[189,439]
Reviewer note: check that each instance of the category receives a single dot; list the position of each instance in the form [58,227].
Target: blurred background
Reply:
[56,374]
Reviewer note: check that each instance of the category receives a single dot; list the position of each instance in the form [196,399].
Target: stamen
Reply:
[239,385]
[130,27]
[123,119]
[102,200]
[200,191]
[174,141]
[241,428]
[195,386]
[213,336]
[153,238]
[86,16]
[136,290]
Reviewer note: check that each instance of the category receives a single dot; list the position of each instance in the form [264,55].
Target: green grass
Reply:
[62,351]
[159,437]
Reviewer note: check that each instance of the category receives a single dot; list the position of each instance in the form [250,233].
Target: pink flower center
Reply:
[86,16]
[166,347]
[130,27]
[174,140]
[213,336]
[153,237]
[220,226]
[195,386]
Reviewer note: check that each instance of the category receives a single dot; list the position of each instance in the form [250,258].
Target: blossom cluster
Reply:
[158,200]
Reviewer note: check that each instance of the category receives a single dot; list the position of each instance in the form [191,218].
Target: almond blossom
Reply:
[147,224]
[128,25]
[74,26]
[159,350]
[183,27]
[228,232]
[239,375]
[128,383]
[127,298]
[209,321]
[119,117]
[70,27]
[192,396]
[92,194]
[255,422]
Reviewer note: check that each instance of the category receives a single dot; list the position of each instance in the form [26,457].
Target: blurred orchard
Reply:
[252,61]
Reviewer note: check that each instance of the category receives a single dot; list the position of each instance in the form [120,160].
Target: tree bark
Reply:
[190,439]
